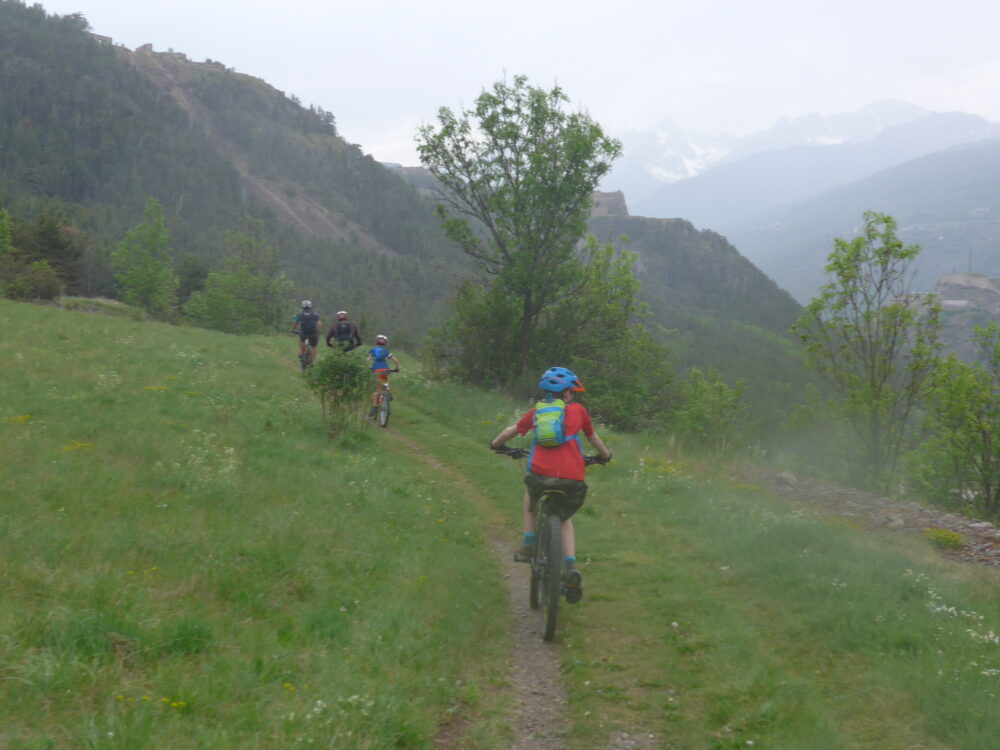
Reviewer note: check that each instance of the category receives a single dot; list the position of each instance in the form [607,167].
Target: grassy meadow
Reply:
[188,560]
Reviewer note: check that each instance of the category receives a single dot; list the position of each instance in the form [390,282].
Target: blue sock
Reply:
[570,561]
[529,538]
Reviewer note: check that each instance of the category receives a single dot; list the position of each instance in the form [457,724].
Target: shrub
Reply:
[944,538]
[342,381]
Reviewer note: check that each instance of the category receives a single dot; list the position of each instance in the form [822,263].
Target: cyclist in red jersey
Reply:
[558,467]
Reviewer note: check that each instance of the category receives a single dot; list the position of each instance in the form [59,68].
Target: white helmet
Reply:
[380,339]
[306,304]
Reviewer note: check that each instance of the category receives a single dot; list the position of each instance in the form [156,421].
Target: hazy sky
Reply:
[715,66]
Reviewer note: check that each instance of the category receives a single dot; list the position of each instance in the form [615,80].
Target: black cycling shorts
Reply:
[312,338]
[568,494]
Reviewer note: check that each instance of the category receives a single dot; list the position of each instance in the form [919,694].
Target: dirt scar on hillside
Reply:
[540,714]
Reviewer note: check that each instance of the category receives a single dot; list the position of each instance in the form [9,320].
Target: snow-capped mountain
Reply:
[665,154]
[668,153]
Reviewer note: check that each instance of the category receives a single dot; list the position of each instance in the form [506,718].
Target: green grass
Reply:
[717,615]
[188,560]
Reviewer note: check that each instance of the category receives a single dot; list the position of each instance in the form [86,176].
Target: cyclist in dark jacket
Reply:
[308,325]
[344,332]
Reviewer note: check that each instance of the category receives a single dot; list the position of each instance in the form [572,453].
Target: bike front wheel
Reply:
[384,410]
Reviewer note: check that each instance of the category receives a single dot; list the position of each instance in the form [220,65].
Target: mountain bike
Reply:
[546,587]
[383,403]
[308,354]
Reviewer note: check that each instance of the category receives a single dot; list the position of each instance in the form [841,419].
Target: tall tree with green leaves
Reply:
[873,339]
[958,465]
[517,174]
[250,293]
[143,267]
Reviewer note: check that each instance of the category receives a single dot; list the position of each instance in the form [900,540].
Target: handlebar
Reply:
[523,452]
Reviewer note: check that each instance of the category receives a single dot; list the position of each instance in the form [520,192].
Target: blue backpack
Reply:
[550,423]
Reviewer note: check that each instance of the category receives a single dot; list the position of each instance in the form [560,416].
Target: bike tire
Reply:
[552,577]
[384,410]
[537,565]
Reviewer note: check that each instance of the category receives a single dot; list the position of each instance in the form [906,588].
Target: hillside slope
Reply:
[189,560]
[717,310]
[89,131]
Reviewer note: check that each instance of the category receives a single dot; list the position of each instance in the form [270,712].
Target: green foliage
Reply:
[6,237]
[712,416]
[873,340]
[595,331]
[20,278]
[28,281]
[958,465]
[250,294]
[523,171]
[143,266]
[944,538]
[342,381]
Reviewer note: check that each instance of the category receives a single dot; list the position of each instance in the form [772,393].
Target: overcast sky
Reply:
[714,66]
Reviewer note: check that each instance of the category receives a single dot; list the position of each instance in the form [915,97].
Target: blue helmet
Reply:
[558,379]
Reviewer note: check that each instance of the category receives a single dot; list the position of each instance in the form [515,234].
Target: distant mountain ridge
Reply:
[736,190]
[668,153]
[948,202]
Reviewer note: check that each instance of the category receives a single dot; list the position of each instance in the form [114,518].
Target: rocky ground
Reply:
[980,539]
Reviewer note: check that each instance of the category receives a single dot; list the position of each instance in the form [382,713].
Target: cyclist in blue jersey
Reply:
[380,357]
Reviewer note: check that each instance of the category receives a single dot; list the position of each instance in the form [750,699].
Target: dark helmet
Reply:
[559,379]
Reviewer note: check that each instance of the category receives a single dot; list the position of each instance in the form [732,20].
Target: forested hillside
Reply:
[89,131]
[717,308]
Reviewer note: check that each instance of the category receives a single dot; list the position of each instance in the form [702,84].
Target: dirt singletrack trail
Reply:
[540,718]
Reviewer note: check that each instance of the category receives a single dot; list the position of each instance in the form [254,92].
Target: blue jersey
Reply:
[380,356]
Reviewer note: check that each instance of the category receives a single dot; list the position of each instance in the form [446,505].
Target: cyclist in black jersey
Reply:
[344,332]
[307,324]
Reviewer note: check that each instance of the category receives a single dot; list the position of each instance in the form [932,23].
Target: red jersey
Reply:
[564,461]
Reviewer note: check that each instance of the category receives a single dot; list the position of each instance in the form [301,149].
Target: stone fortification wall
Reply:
[968,291]
[609,204]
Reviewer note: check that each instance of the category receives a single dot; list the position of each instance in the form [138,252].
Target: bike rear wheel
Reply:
[551,577]
[537,566]
[384,409]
